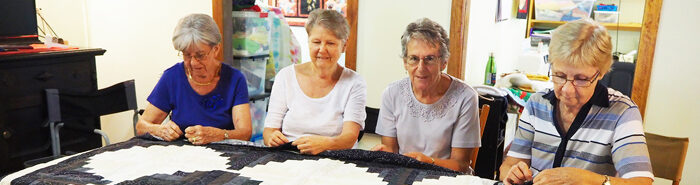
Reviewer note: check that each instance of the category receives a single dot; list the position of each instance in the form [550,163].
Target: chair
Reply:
[489,156]
[66,107]
[370,122]
[483,115]
[620,77]
[667,155]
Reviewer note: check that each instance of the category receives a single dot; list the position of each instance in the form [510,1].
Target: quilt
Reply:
[145,160]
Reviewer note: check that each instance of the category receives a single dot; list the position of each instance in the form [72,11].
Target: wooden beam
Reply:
[351,47]
[459,24]
[217,13]
[645,58]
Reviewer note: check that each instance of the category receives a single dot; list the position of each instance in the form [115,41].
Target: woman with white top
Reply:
[430,116]
[318,105]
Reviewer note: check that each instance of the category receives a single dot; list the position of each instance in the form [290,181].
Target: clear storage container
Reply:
[257,113]
[606,16]
[253,68]
[251,34]
[563,10]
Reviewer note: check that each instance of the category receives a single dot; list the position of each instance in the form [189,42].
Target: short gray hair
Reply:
[330,20]
[582,42]
[428,31]
[194,29]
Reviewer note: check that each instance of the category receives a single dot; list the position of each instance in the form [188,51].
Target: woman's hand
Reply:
[564,175]
[276,138]
[381,147]
[201,135]
[313,144]
[518,174]
[168,131]
[420,157]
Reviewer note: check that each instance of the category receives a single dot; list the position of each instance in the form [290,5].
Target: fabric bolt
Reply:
[174,93]
[606,137]
[257,162]
[299,115]
[432,129]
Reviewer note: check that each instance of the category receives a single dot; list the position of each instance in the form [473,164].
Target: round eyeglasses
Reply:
[427,60]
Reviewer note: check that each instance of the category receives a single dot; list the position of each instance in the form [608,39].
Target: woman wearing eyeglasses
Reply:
[581,131]
[318,105]
[208,99]
[430,116]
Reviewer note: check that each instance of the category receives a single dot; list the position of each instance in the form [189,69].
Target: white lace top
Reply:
[432,129]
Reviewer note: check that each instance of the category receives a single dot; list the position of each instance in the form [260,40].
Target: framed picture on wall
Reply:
[296,11]
[337,5]
[306,6]
[289,7]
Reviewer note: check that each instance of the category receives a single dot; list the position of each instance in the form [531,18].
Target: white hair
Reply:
[194,29]
[429,31]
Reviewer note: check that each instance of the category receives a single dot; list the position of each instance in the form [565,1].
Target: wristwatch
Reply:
[225,134]
[607,180]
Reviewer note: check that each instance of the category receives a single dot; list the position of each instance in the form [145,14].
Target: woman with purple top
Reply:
[430,116]
[208,99]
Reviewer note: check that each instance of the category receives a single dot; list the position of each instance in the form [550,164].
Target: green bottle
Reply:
[490,72]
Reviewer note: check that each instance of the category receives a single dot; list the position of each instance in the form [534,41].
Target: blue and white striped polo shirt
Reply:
[606,136]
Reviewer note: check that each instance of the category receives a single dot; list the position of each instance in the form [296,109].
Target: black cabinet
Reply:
[24,134]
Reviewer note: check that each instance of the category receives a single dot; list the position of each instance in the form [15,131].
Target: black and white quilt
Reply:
[149,161]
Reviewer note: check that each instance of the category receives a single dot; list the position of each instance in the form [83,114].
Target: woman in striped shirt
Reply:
[580,131]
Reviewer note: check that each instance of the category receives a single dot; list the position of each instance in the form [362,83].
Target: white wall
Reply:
[485,36]
[379,29]
[137,37]
[672,104]
[67,18]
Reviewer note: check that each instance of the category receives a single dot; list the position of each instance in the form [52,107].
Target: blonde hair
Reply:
[580,43]
[194,29]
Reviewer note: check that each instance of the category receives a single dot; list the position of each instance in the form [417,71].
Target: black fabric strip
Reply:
[599,98]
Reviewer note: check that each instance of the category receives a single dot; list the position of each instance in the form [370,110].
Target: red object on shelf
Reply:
[38,48]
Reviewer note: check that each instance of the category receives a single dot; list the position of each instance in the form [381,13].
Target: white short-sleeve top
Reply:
[432,129]
[299,115]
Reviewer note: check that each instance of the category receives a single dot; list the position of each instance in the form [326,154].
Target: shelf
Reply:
[610,26]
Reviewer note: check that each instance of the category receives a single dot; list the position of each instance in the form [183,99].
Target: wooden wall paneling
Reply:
[221,12]
[217,14]
[351,47]
[459,25]
[645,58]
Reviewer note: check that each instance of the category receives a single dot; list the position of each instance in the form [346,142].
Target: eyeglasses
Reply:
[198,57]
[561,80]
[427,60]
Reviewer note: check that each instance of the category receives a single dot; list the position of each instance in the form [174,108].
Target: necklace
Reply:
[189,76]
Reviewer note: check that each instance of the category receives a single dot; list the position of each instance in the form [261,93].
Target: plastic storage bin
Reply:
[251,34]
[606,16]
[563,10]
[258,112]
[253,68]
[604,7]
